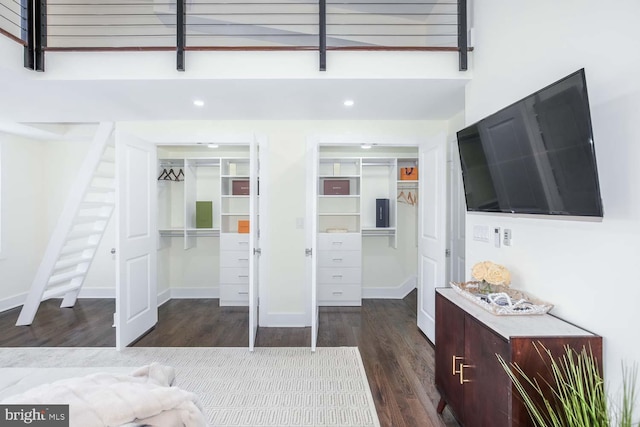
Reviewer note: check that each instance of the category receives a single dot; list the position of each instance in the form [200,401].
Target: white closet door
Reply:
[432,230]
[136,275]
[254,251]
[312,236]
[457,216]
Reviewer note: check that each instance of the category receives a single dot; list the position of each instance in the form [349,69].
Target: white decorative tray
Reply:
[501,300]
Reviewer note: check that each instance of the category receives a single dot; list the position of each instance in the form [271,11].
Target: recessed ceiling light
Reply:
[365,146]
[198,103]
[212,145]
[349,103]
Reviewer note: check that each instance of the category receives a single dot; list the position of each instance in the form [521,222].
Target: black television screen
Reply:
[535,156]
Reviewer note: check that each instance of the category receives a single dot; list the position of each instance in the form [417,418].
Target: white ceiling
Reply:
[28,99]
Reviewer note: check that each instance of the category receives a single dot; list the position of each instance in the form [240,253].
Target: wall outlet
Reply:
[506,237]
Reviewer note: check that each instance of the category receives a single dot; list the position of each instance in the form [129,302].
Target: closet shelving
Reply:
[198,180]
[234,193]
[224,183]
[339,195]
[379,177]
[346,213]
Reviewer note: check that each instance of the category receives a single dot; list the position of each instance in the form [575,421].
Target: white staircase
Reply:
[80,228]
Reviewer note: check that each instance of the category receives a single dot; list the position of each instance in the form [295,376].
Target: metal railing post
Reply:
[29,48]
[40,33]
[462,34]
[180,34]
[323,34]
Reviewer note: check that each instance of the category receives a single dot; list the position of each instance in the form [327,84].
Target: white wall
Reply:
[23,223]
[587,269]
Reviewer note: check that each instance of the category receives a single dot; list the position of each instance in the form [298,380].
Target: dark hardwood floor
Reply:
[397,357]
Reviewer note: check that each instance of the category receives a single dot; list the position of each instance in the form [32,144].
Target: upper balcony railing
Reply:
[13,19]
[245,25]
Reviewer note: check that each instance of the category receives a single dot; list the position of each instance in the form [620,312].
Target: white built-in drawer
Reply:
[339,241]
[339,259]
[234,242]
[234,275]
[234,259]
[340,295]
[334,276]
[234,294]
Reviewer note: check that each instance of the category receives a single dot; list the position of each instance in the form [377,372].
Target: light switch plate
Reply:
[496,237]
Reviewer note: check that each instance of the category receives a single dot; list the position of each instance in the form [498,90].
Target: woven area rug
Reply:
[267,387]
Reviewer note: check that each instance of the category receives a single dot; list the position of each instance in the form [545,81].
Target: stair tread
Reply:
[96,204]
[82,219]
[79,234]
[77,248]
[61,278]
[103,174]
[70,262]
[98,189]
[59,290]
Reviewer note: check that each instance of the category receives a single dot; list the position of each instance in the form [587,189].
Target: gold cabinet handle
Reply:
[462,379]
[454,359]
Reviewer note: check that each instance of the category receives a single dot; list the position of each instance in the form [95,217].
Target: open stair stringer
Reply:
[79,230]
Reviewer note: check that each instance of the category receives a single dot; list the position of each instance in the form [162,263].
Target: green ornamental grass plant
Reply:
[576,396]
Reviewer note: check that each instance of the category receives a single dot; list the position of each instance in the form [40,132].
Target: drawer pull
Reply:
[243,293]
[243,259]
[337,293]
[243,276]
[337,276]
[462,379]
[336,243]
[454,359]
[337,260]
[243,243]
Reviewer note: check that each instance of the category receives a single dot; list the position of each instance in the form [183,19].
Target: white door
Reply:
[312,236]
[432,232]
[254,250]
[457,214]
[136,271]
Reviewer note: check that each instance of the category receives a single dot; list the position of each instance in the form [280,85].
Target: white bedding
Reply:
[109,398]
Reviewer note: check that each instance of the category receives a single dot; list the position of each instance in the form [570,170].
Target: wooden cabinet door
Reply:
[449,344]
[486,386]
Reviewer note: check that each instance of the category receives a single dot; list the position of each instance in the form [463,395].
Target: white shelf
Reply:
[338,176]
[378,231]
[336,196]
[179,232]
[235,196]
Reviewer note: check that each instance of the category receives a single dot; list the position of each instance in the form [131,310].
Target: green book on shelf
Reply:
[204,214]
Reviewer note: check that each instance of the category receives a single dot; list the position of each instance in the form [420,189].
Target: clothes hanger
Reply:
[402,198]
[171,176]
[180,174]
[163,175]
[413,199]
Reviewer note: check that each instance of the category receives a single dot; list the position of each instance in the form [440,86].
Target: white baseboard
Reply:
[12,302]
[397,292]
[164,296]
[185,293]
[97,293]
[284,320]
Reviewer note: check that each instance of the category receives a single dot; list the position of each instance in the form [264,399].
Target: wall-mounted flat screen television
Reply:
[535,156]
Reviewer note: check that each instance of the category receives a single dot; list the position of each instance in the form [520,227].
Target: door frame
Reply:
[314,143]
[187,137]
